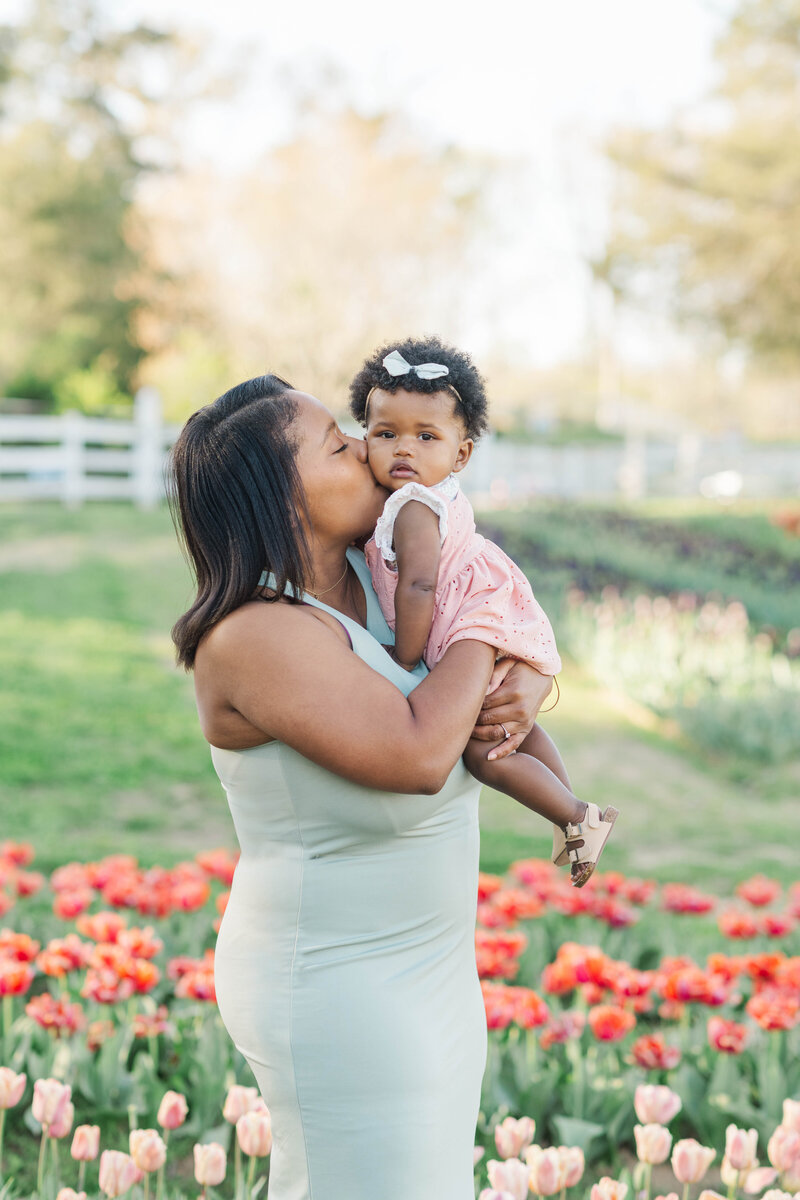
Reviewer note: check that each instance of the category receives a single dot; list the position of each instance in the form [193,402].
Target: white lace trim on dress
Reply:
[437,498]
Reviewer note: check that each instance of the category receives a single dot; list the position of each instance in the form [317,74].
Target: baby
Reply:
[424,406]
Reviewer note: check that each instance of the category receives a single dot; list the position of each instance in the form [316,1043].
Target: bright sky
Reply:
[540,80]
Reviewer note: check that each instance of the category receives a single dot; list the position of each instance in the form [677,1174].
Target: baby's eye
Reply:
[384,433]
[427,437]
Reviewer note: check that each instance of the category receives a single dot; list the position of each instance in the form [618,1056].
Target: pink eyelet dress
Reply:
[480,593]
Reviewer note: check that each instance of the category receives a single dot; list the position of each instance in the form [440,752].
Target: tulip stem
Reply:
[251,1170]
[160,1176]
[3,1112]
[81,1174]
[685,1191]
[40,1170]
[8,1013]
[649,1181]
[147,1185]
[237,1166]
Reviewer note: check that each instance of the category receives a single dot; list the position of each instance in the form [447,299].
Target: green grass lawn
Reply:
[101,750]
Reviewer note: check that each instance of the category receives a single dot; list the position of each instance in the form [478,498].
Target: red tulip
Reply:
[653,1053]
[609,1023]
[726,1036]
[758,890]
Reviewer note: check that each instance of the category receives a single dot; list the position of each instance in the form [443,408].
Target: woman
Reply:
[345,965]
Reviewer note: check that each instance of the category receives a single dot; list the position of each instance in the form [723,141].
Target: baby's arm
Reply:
[418,549]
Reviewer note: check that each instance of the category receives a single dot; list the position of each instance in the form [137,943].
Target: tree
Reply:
[354,232]
[708,209]
[78,128]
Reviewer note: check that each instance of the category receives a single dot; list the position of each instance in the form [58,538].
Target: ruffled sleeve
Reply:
[384,530]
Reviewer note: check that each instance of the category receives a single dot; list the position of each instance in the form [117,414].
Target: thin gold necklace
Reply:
[317,595]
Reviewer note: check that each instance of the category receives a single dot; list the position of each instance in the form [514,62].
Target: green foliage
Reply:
[707,207]
[91,390]
[69,163]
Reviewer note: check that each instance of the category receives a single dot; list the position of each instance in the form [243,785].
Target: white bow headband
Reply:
[396,365]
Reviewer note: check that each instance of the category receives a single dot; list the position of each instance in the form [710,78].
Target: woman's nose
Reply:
[359,448]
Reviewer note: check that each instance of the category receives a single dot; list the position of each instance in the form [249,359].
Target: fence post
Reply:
[147,447]
[72,492]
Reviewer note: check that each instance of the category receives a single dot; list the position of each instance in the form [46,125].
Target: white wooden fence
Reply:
[73,458]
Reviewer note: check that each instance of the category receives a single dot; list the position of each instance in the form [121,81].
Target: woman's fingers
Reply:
[508,746]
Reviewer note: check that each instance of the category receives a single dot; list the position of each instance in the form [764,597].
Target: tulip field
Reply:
[643,1037]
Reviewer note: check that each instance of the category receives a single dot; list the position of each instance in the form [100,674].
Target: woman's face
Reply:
[344,501]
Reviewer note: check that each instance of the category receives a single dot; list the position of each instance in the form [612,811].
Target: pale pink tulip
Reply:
[755,1181]
[172,1110]
[210,1164]
[777,1194]
[477,1154]
[239,1100]
[510,1176]
[656,1104]
[740,1147]
[513,1135]
[118,1173]
[148,1149]
[791,1114]
[492,1194]
[12,1087]
[690,1160]
[669,1196]
[609,1189]
[546,1173]
[62,1124]
[783,1148]
[751,1181]
[85,1143]
[709,1194]
[254,1134]
[70,1194]
[573,1164]
[653,1143]
[50,1098]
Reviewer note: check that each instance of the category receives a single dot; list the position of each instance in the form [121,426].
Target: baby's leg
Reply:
[526,777]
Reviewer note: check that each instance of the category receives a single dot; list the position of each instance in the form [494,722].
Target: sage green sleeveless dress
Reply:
[345,965]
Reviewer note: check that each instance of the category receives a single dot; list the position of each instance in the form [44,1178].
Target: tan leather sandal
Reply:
[582,843]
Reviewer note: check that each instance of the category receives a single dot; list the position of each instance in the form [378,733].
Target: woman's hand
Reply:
[515,695]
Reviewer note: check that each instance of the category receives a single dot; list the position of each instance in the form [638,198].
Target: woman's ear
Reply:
[464,454]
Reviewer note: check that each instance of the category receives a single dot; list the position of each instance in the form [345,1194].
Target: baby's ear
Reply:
[464,454]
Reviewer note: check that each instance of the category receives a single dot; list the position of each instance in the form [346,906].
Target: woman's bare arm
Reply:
[417,546]
[292,677]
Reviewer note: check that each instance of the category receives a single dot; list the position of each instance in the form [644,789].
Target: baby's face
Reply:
[414,437]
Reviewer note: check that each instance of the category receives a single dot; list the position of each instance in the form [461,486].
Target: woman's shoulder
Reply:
[262,622]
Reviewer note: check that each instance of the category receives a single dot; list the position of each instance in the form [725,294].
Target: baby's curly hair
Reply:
[463,378]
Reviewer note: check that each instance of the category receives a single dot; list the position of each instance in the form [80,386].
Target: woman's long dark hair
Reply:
[236,497]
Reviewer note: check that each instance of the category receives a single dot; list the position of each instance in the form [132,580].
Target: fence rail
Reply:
[72,458]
